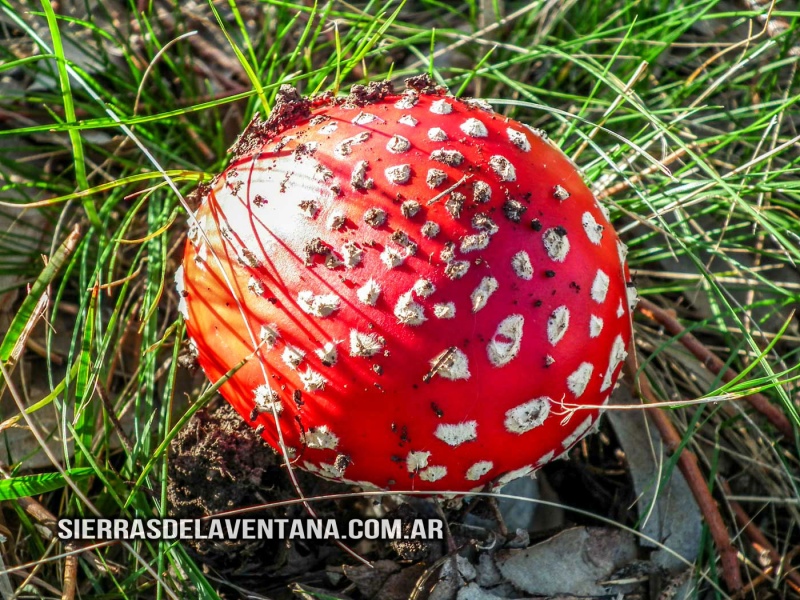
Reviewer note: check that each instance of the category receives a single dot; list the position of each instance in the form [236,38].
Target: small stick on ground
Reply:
[70,577]
[756,536]
[687,462]
[714,364]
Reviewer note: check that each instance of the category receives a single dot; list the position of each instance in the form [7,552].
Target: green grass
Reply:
[109,117]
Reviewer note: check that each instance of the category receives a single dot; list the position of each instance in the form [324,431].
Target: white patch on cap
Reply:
[269,335]
[292,356]
[309,208]
[437,134]
[481,192]
[521,263]
[423,288]
[474,128]
[320,438]
[327,354]
[359,179]
[344,148]
[336,220]
[557,324]
[408,120]
[622,250]
[478,470]
[441,107]
[183,308]
[480,295]
[364,118]
[398,174]
[321,305]
[369,292]
[506,341]
[503,168]
[409,312]
[444,311]
[365,344]
[456,269]
[479,103]
[579,432]
[556,245]
[560,193]
[255,286]
[432,474]
[392,257]
[454,367]
[329,128]
[519,139]
[451,158]
[595,326]
[397,144]
[618,354]
[457,433]
[407,102]
[266,400]
[620,310]
[435,178]
[351,254]
[312,381]
[330,471]
[579,379]
[633,297]
[546,458]
[515,474]
[417,460]
[594,231]
[600,287]
[530,415]
[430,229]
[475,241]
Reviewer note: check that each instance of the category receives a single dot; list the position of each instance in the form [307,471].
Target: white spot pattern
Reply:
[600,287]
[475,241]
[579,379]
[437,134]
[618,354]
[503,168]
[595,326]
[398,174]
[364,118]
[594,231]
[409,312]
[454,367]
[435,178]
[417,460]
[528,416]
[556,244]
[480,295]
[392,257]
[546,458]
[397,144]
[455,434]
[369,292]
[408,120]
[521,263]
[474,128]
[441,107]
[269,335]
[312,381]
[478,470]
[266,400]
[320,438]
[365,344]
[557,324]
[321,305]
[444,311]
[423,288]
[292,356]
[515,474]
[506,341]
[327,354]
[432,474]
[519,139]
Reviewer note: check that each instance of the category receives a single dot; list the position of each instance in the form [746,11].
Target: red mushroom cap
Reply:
[428,282]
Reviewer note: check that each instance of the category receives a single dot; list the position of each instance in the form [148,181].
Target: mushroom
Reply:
[424,287]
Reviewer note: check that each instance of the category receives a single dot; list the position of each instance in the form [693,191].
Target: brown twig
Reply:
[758,538]
[687,462]
[70,577]
[714,364]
